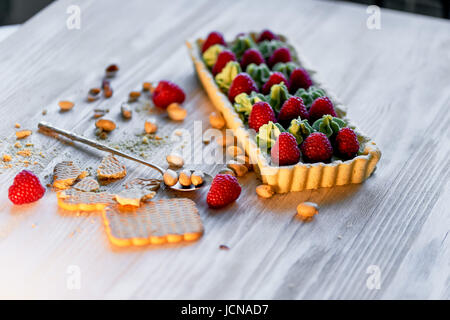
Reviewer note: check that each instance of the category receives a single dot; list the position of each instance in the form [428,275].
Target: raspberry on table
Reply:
[224,189]
[26,188]
[167,92]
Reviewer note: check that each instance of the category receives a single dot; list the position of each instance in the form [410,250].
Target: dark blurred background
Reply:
[18,11]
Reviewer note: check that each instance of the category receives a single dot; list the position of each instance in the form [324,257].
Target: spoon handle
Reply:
[73,136]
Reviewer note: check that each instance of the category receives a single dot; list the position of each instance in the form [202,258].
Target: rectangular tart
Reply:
[301,176]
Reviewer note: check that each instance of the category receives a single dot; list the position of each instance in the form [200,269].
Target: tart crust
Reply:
[301,176]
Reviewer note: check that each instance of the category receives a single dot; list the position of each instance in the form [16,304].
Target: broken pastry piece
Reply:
[133,197]
[156,222]
[75,200]
[87,185]
[137,191]
[111,168]
[65,174]
[147,186]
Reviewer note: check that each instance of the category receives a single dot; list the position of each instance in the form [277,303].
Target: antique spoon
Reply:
[75,137]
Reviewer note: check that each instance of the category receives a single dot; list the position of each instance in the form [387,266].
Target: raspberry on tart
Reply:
[242,83]
[212,39]
[261,114]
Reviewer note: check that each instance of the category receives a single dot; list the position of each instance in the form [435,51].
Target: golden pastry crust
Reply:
[111,168]
[65,174]
[156,222]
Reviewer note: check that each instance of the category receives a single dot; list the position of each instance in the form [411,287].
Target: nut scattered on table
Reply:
[176,112]
[66,105]
[227,171]
[6,158]
[239,169]
[105,84]
[225,140]
[17,125]
[98,113]
[147,87]
[175,160]
[125,110]
[134,96]
[234,151]
[185,178]
[107,92]
[105,125]
[23,134]
[170,177]
[150,127]
[216,120]
[245,160]
[264,191]
[307,210]
[197,178]
[111,70]
[93,94]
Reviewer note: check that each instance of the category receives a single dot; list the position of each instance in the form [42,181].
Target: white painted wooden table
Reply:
[396,82]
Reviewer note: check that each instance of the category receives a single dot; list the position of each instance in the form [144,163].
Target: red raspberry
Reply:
[275,78]
[251,56]
[292,109]
[267,35]
[222,59]
[224,190]
[320,107]
[242,83]
[212,39]
[166,93]
[26,188]
[346,143]
[316,148]
[280,55]
[299,79]
[285,150]
[261,114]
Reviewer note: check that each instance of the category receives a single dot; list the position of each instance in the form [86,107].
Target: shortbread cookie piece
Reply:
[87,185]
[65,174]
[111,168]
[75,200]
[133,196]
[147,186]
[156,222]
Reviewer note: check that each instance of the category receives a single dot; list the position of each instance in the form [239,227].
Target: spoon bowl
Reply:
[206,181]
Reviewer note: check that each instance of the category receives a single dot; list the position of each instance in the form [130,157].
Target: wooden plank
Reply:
[397,220]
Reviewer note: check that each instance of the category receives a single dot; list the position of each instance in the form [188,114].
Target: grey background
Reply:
[18,11]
